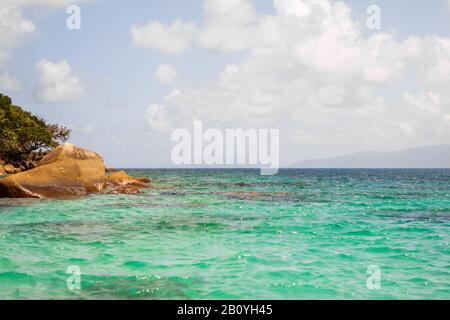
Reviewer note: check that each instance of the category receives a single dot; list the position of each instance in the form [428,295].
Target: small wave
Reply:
[135,287]
[135,264]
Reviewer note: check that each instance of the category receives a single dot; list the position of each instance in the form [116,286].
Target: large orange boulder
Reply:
[66,171]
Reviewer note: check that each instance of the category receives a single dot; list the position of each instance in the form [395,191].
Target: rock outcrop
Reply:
[119,182]
[120,178]
[69,171]
[66,171]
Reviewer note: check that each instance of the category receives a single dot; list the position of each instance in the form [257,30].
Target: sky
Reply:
[137,70]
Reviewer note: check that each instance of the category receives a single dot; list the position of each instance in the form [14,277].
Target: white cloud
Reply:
[293,8]
[7,83]
[309,70]
[174,38]
[56,82]
[228,25]
[15,29]
[428,102]
[14,26]
[157,118]
[165,74]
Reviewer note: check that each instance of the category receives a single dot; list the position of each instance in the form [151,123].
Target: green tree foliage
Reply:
[22,132]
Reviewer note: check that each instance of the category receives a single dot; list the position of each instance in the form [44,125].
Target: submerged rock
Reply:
[256,195]
[125,190]
[66,171]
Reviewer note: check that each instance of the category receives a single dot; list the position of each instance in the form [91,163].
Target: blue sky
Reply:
[111,115]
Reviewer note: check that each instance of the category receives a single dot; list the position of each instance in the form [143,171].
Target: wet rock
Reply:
[10,169]
[96,187]
[120,178]
[126,190]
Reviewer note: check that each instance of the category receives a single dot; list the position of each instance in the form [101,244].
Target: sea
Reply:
[234,234]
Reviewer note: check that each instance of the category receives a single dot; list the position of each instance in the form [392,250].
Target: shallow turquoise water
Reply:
[311,234]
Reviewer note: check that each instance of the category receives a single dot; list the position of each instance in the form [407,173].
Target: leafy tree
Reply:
[21,132]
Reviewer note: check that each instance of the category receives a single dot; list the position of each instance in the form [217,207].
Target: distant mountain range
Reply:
[423,157]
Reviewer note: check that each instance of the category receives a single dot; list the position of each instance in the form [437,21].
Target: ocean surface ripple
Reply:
[233,234]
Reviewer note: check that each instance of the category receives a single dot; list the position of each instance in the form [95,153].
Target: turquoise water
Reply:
[307,234]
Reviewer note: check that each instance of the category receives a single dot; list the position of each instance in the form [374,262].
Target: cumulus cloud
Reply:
[174,38]
[309,70]
[165,74]
[15,29]
[228,25]
[56,82]
[157,118]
